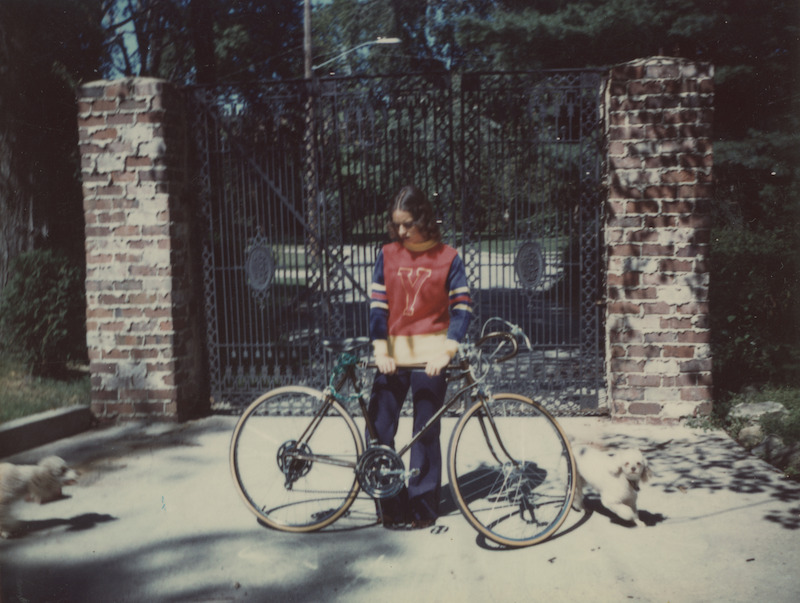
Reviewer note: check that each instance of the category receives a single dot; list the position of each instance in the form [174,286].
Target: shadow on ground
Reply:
[165,569]
[713,463]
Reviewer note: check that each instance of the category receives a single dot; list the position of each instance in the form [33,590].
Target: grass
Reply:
[22,395]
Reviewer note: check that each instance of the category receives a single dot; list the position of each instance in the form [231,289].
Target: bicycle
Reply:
[510,465]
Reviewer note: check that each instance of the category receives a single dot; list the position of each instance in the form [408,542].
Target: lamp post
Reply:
[307,49]
[359,47]
[312,195]
[310,134]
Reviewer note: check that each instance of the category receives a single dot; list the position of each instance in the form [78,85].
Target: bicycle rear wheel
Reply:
[295,474]
[516,489]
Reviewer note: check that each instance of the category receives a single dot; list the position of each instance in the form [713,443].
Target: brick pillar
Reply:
[143,319]
[658,229]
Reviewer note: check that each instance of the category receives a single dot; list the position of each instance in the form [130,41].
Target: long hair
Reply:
[414,201]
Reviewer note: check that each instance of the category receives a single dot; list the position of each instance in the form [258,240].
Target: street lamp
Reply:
[362,45]
[311,152]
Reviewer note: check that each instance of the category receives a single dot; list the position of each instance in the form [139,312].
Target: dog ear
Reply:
[647,473]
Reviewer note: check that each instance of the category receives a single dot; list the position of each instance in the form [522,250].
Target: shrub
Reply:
[42,312]
[786,426]
[755,308]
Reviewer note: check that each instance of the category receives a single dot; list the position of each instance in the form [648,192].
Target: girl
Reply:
[419,312]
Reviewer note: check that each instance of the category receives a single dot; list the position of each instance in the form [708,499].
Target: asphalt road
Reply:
[155,517]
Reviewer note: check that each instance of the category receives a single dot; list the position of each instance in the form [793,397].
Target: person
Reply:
[420,308]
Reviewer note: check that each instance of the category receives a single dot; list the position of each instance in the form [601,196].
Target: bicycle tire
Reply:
[319,492]
[513,503]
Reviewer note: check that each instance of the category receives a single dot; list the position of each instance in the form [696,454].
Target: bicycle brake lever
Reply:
[508,337]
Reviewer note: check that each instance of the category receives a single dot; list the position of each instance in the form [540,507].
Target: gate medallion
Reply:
[259,266]
[529,264]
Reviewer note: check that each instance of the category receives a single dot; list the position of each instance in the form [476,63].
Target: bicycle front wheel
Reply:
[512,474]
[295,473]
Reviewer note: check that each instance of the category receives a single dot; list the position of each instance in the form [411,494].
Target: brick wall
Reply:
[660,184]
[143,319]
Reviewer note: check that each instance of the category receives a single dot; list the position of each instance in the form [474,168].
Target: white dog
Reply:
[39,483]
[615,477]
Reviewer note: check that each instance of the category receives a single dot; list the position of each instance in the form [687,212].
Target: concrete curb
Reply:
[29,432]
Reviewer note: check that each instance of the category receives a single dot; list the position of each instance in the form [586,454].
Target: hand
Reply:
[437,364]
[386,364]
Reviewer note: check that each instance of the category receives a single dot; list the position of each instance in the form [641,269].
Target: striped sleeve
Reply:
[460,301]
[378,303]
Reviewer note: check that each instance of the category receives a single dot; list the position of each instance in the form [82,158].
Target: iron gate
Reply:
[295,180]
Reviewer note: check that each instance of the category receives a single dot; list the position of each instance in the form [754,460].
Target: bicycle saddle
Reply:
[341,345]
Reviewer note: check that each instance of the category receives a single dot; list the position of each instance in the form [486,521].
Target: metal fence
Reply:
[295,179]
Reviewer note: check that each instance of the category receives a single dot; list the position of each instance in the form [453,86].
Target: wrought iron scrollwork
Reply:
[529,264]
[259,266]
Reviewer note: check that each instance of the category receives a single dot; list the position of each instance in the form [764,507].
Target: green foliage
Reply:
[755,281]
[752,44]
[46,49]
[755,301]
[42,312]
[342,24]
[758,178]
[786,427]
[205,41]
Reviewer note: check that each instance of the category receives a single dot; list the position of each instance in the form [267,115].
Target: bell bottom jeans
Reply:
[421,499]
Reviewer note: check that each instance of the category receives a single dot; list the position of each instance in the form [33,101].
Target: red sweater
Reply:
[420,302]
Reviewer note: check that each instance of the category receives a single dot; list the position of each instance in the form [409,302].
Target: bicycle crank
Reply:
[292,467]
[381,472]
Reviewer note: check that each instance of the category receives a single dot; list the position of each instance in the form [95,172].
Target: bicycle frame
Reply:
[346,367]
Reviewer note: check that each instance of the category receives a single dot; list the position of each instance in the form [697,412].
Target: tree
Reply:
[427,30]
[149,37]
[199,41]
[45,49]
[344,24]
[752,44]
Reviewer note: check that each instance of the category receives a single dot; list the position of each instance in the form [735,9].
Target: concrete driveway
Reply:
[155,517]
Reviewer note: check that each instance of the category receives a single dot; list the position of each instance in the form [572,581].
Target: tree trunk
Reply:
[15,192]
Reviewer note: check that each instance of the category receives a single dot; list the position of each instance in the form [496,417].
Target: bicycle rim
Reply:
[295,495]
[516,491]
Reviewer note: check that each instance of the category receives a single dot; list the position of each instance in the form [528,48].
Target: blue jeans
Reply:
[420,500]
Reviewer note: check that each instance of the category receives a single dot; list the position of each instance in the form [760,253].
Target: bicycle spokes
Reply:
[522,483]
[511,471]
[308,479]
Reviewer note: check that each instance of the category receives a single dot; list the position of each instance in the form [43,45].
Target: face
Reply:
[634,464]
[406,230]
